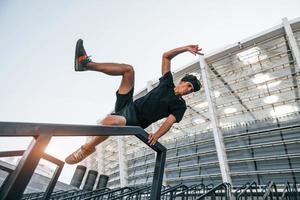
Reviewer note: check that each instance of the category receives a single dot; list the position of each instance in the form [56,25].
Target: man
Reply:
[164,101]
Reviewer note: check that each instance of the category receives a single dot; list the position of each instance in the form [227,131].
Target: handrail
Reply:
[290,192]
[42,133]
[174,189]
[225,186]
[64,193]
[171,188]
[245,190]
[94,195]
[132,192]
[192,189]
[269,192]
[101,190]
[56,195]
[195,190]
[241,188]
[286,190]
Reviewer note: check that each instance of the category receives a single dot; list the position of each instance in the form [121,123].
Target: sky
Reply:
[37,78]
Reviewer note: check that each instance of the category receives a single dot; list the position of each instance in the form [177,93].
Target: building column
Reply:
[292,41]
[218,136]
[149,88]
[100,158]
[122,161]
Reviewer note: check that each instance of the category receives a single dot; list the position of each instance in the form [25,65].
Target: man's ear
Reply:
[181,82]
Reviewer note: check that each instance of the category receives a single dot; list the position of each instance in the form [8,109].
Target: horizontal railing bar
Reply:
[3,168]
[21,152]
[52,159]
[11,153]
[16,129]
[222,185]
[132,192]
[34,129]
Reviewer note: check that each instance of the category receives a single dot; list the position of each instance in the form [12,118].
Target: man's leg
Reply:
[114,120]
[115,69]
[127,83]
[83,63]
[89,148]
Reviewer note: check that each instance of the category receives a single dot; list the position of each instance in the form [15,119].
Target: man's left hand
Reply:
[152,138]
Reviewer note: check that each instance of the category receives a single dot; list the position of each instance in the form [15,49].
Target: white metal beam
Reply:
[292,41]
[100,158]
[218,137]
[122,161]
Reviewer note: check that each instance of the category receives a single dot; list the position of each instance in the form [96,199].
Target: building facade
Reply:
[242,126]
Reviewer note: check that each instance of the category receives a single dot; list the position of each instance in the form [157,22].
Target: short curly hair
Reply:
[193,80]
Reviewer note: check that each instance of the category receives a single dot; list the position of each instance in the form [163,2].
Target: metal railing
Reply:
[172,192]
[18,179]
[271,192]
[242,192]
[51,185]
[223,191]
[218,191]
[290,192]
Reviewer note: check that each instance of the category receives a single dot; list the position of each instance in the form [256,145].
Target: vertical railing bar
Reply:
[53,182]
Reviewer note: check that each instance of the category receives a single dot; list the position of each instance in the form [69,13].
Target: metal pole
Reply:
[159,166]
[53,182]
[292,41]
[158,175]
[218,137]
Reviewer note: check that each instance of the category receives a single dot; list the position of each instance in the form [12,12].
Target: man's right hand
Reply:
[194,49]
[167,56]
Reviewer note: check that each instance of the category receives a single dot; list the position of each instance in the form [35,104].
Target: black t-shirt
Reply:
[160,102]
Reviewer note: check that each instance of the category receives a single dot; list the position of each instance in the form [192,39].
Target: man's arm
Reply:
[169,55]
[162,130]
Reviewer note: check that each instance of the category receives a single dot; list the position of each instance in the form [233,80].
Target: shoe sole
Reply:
[76,63]
[70,160]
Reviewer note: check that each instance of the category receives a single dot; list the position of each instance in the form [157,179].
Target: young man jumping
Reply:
[165,100]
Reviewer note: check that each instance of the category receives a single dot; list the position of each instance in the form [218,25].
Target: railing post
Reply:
[159,167]
[158,175]
[53,182]
[16,183]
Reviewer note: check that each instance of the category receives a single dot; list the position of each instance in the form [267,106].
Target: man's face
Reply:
[185,88]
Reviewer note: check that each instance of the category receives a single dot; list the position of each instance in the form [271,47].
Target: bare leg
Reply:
[109,120]
[116,69]
[127,83]
[89,147]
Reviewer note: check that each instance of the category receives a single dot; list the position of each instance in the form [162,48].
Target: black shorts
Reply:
[124,106]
